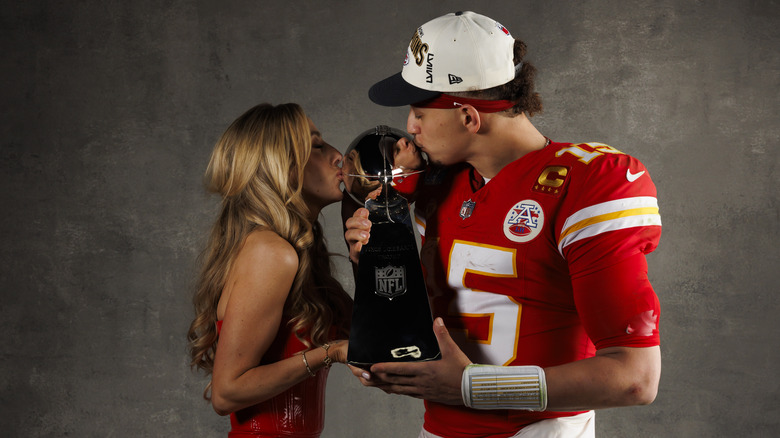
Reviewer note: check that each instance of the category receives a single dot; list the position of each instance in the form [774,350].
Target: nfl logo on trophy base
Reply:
[390,281]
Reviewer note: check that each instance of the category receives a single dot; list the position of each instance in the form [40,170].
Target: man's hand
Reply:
[437,380]
[357,232]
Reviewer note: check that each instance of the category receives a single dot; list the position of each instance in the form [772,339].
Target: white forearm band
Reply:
[497,387]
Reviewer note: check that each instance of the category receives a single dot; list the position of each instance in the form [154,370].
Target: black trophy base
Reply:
[391,318]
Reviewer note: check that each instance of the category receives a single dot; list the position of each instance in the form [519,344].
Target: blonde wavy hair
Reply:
[257,167]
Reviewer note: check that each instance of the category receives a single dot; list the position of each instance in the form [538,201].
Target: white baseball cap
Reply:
[460,51]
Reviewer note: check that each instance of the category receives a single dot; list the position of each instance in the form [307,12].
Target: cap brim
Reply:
[395,91]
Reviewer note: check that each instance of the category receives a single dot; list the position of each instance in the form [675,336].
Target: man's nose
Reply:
[411,123]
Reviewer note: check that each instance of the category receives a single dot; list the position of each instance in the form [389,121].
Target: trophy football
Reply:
[391,317]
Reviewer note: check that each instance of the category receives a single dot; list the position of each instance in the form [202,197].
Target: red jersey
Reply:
[523,269]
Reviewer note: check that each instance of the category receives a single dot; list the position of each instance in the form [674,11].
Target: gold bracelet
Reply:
[327,361]
[306,362]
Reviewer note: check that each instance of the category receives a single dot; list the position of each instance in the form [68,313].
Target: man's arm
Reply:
[616,376]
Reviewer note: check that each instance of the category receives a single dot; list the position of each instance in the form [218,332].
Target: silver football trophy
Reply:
[391,318]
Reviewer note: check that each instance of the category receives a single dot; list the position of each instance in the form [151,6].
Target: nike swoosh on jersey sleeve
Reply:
[608,216]
[631,177]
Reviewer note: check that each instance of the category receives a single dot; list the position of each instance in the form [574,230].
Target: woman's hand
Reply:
[338,351]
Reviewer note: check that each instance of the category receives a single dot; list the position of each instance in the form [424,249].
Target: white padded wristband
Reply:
[497,387]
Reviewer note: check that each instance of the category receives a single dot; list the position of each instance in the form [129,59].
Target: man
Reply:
[534,250]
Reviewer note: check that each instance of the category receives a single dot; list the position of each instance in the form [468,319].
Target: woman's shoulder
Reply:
[260,275]
[268,246]
[269,238]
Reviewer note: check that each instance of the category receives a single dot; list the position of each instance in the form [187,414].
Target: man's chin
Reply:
[437,161]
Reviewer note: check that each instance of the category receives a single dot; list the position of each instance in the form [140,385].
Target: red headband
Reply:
[445,101]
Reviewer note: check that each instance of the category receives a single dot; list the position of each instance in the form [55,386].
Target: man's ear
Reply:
[470,118]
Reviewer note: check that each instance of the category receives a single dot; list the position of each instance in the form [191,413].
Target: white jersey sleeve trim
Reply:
[419,222]
[640,211]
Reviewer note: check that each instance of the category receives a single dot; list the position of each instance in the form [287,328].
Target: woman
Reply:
[267,306]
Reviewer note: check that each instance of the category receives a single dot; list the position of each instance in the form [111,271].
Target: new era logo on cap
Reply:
[455,79]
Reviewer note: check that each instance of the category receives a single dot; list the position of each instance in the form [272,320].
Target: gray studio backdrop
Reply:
[110,110]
